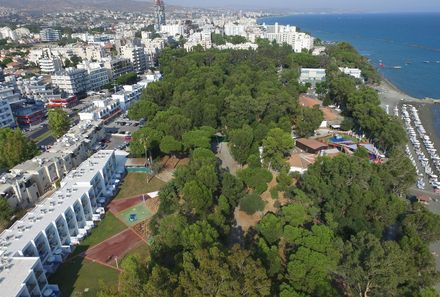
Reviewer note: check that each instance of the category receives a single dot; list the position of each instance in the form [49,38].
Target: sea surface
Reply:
[411,41]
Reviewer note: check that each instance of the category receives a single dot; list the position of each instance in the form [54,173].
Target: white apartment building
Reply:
[100,109]
[34,87]
[7,98]
[232,29]
[19,190]
[49,35]
[46,169]
[312,75]
[6,115]
[173,30]
[25,278]
[50,65]
[128,95]
[97,75]
[153,46]
[355,72]
[35,246]
[71,80]
[302,42]
[199,38]
[33,178]
[137,57]
[90,52]
[288,34]
[7,32]
[8,94]
[117,66]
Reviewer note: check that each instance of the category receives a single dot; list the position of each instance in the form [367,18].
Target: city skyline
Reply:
[320,5]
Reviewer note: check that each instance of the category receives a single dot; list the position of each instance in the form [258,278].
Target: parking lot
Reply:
[119,133]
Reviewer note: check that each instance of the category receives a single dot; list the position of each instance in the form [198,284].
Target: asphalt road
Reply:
[47,141]
[37,132]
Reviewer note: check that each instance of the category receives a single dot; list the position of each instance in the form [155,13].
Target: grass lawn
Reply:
[141,251]
[136,184]
[81,278]
[141,211]
[108,227]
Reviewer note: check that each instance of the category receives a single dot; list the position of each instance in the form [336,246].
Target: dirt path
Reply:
[228,162]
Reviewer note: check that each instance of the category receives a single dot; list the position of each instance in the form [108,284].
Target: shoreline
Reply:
[392,96]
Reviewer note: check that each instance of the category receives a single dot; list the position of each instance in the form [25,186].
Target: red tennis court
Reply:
[116,246]
[118,205]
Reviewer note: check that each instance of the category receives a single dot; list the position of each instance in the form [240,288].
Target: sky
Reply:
[320,5]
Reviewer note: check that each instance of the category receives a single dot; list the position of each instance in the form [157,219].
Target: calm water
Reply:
[406,40]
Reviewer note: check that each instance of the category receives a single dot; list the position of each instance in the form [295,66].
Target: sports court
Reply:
[119,205]
[135,214]
[114,247]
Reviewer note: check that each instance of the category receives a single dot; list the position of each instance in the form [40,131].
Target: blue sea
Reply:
[411,41]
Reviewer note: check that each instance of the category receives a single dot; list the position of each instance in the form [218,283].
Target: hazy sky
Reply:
[306,5]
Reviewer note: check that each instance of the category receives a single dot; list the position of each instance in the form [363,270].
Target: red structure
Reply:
[63,102]
[29,115]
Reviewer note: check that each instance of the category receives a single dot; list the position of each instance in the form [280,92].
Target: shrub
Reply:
[251,203]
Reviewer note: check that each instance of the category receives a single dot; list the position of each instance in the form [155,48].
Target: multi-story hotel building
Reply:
[34,247]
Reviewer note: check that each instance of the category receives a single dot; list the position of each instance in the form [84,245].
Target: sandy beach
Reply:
[391,96]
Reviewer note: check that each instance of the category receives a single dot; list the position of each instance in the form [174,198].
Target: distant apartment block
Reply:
[34,87]
[97,75]
[288,34]
[8,98]
[128,95]
[137,57]
[105,110]
[49,35]
[202,39]
[6,116]
[117,66]
[173,30]
[233,29]
[312,75]
[50,65]
[71,80]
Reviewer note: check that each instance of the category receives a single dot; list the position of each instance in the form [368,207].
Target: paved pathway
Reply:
[228,162]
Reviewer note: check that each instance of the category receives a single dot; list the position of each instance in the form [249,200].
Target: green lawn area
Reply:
[108,227]
[136,183]
[82,278]
[141,211]
[141,251]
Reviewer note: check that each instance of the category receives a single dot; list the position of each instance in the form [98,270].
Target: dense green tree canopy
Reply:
[59,122]
[308,120]
[276,146]
[342,229]
[351,190]
[15,148]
